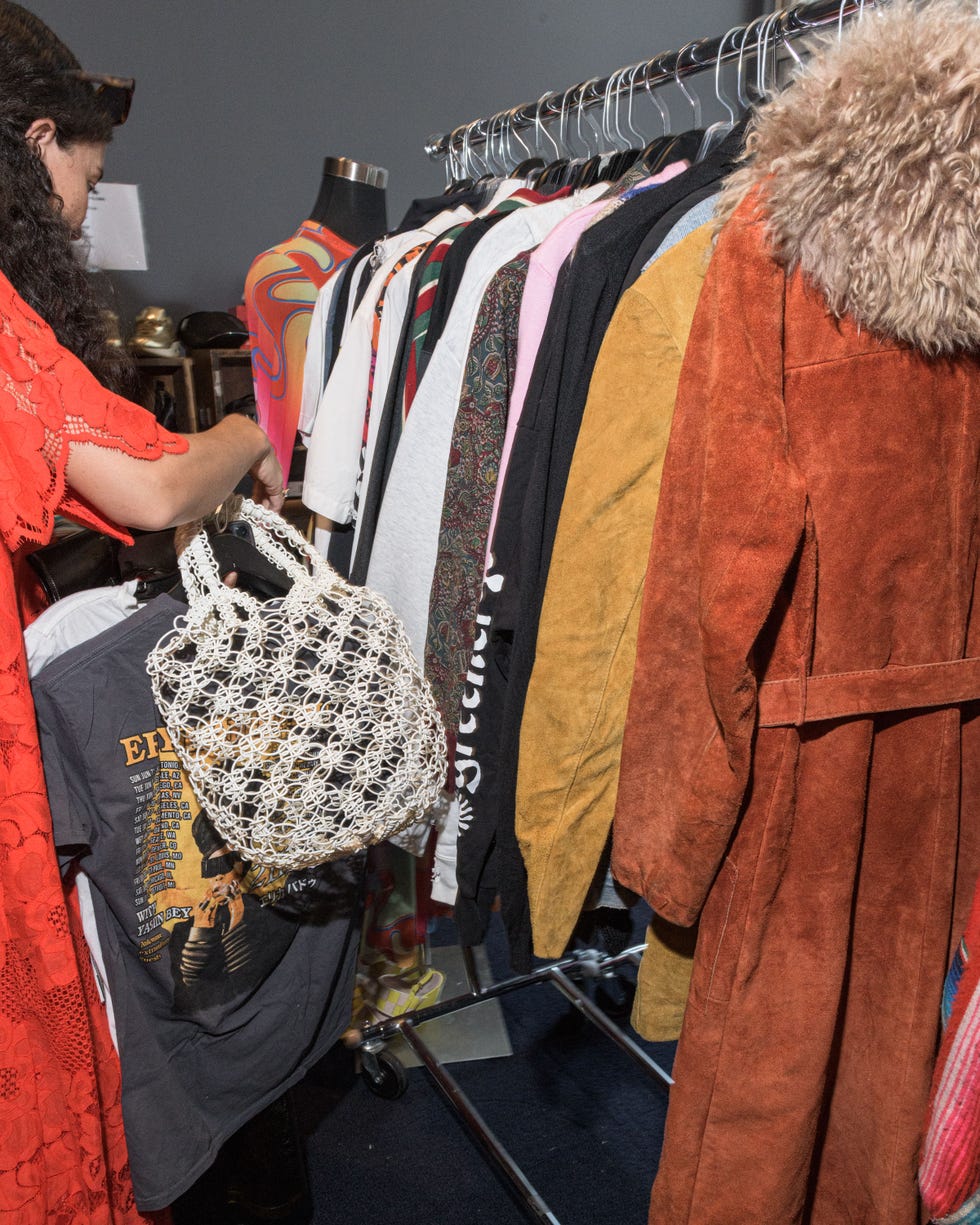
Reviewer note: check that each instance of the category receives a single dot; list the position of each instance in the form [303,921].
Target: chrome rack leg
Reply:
[472,973]
[598,1018]
[476,1124]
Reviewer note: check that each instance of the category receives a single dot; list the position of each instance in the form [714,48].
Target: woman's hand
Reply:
[268,487]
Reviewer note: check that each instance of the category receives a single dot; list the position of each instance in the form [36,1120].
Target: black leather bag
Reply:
[75,563]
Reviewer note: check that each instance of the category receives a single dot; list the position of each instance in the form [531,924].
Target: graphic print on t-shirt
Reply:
[196,900]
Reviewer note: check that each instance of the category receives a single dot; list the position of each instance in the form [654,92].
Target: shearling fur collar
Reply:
[868,170]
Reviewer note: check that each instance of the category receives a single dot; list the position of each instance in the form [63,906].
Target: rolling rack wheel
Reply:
[383,1073]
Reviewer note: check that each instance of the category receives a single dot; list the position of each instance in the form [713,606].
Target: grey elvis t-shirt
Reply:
[228,981]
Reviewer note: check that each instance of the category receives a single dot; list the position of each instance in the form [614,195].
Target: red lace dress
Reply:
[62,1152]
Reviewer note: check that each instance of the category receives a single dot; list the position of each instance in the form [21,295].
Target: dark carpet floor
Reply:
[583,1121]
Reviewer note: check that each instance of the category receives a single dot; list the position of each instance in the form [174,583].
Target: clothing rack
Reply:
[760,38]
[385,1075]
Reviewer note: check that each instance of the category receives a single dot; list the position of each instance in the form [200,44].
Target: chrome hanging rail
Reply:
[767,33]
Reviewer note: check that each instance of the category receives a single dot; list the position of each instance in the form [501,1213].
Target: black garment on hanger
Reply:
[421,211]
[667,149]
[363,280]
[343,297]
[341,548]
[650,244]
[587,295]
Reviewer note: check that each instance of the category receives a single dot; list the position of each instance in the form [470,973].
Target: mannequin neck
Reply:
[354,210]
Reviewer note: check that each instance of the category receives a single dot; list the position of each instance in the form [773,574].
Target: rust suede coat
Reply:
[818,518]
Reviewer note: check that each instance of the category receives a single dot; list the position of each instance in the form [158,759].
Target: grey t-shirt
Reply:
[228,981]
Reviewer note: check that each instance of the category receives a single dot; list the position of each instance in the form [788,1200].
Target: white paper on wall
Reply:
[113,229]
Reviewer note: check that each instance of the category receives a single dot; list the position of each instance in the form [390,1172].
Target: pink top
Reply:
[539,289]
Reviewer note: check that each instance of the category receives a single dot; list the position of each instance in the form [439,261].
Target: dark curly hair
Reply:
[36,252]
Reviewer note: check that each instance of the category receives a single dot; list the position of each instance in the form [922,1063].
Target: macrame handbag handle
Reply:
[201,574]
[271,533]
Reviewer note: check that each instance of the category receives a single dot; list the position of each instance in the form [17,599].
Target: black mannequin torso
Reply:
[351,201]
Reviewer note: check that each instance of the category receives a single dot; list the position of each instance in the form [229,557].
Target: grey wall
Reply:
[238,101]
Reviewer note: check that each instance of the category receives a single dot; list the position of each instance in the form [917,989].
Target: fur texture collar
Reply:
[867,169]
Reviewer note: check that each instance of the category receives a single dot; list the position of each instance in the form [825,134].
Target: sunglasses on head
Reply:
[115,93]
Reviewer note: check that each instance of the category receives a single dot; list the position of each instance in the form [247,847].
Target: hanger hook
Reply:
[693,99]
[563,114]
[636,136]
[610,118]
[488,154]
[578,113]
[762,45]
[786,38]
[506,138]
[740,81]
[454,158]
[607,136]
[720,94]
[488,157]
[597,133]
[466,146]
[512,121]
[776,39]
[540,131]
[620,84]
[495,145]
[501,153]
[464,149]
[463,168]
[843,8]
[658,102]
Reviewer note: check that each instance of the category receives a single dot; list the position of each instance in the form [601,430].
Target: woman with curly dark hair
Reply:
[70,443]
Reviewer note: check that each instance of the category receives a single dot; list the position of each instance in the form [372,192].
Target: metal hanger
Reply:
[543,177]
[717,132]
[555,175]
[456,177]
[527,166]
[470,155]
[766,44]
[628,147]
[652,153]
[693,99]
[589,172]
[655,98]
[633,141]
[746,101]
[612,138]
[636,137]
[787,40]
[489,157]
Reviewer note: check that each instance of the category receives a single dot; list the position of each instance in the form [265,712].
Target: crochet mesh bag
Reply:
[304,723]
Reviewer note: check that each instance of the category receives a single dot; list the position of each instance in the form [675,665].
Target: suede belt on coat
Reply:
[843,695]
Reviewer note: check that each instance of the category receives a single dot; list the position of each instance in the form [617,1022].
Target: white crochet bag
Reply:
[304,723]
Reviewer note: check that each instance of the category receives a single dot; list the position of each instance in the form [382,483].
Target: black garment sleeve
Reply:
[660,230]
[343,297]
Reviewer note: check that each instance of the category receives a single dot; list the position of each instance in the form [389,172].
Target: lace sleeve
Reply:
[48,400]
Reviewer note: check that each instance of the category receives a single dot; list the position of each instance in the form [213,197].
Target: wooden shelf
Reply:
[220,377]
[175,373]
